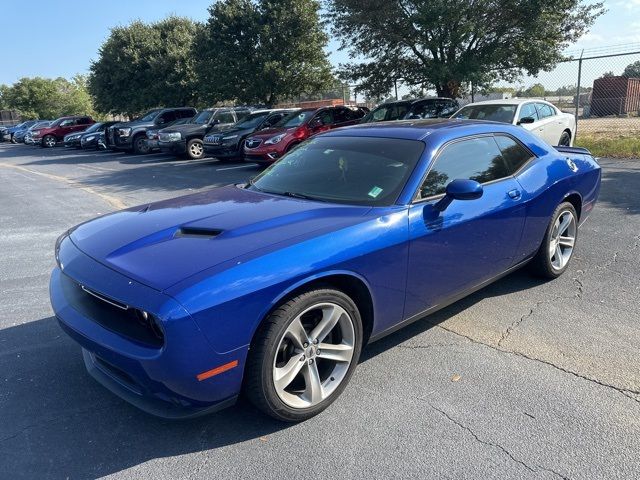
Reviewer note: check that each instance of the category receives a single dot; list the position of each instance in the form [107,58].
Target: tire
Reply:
[553,257]
[140,146]
[195,149]
[49,141]
[279,346]
[565,139]
[13,139]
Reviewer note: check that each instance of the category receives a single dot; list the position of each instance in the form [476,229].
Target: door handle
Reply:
[514,194]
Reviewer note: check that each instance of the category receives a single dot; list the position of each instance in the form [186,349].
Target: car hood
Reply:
[270,132]
[161,244]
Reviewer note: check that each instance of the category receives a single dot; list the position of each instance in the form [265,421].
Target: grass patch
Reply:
[615,147]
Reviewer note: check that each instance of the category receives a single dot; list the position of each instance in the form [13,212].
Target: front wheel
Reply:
[140,145]
[195,149]
[49,141]
[558,244]
[304,354]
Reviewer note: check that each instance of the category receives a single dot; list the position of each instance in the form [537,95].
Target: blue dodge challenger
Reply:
[272,288]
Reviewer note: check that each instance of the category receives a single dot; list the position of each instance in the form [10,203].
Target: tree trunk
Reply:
[450,89]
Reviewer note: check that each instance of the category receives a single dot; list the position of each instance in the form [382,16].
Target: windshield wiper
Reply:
[302,196]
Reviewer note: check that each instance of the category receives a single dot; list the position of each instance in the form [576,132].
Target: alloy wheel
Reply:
[49,141]
[196,149]
[563,239]
[313,355]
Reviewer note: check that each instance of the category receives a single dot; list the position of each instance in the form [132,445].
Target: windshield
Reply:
[40,125]
[94,127]
[494,112]
[295,119]
[252,121]
[203,117]
[419,110]
[57,122]
[386,112]
[350,170]
[149,116]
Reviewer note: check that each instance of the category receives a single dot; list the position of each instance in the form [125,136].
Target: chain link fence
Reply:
[602,90]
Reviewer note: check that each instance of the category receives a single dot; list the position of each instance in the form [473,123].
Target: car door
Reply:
[66,127]
[321,121]
[471,241]
[550,126]
[223,118]
[526,114]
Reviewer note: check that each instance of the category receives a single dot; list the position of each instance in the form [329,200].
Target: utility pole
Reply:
[395,86]
[578,91]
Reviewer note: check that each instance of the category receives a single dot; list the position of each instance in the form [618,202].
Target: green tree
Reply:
[535,90]
[141,66]
[632,70]
[3,96]
[447,43]
[263,51]
[48,98]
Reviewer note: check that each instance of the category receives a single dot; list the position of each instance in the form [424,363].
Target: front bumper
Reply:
[222,151]
[75,143]
[176,148]
[93,143]
[160,380]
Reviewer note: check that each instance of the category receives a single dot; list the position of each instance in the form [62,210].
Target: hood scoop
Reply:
[197,232]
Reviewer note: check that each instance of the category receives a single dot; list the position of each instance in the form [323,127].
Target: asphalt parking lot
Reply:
[524,379]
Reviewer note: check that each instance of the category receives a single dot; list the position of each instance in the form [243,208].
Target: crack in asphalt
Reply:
[624,391]
[517,323]
[74,412]
[432,345]
[493,444]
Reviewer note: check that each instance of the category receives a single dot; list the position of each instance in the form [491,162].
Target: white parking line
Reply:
[158,155]
[235,168]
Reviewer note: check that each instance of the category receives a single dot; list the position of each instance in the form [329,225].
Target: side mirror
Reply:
[525,120]
[459,189]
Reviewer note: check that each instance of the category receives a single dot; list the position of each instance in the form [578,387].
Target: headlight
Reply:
[170,136]
[124,132]
[274,140]
[230,137]
[89,138]
[59,241]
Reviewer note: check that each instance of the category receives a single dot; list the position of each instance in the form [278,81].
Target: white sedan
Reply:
[537,116]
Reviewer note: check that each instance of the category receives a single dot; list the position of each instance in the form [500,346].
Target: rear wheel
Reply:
[140,145]
[49,141]
[556,250]
[304,355]
[565,139]
[195,149]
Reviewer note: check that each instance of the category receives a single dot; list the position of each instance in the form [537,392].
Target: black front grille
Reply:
[112,314]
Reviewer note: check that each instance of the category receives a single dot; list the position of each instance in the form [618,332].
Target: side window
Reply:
[379,114]
[545,110]
[225,117]
[272,119]
[325,117]
[166,117]
[68,123]
[188,113]
[528,110]
[514,154]
[477,159]
[447,108]
[341,115]
[241,114]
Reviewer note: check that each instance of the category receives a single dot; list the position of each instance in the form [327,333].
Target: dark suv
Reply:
[132,136]
[228,144]
[49,136]
[187,139]
[412,109]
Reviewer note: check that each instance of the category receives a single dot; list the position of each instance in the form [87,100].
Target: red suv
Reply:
[269,145]
[55,132]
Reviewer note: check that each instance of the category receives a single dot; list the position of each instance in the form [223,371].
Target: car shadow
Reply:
[56,421]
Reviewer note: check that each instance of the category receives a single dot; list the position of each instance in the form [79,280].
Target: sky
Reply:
[63,42]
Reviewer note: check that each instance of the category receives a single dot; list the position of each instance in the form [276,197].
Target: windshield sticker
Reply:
[375,191]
